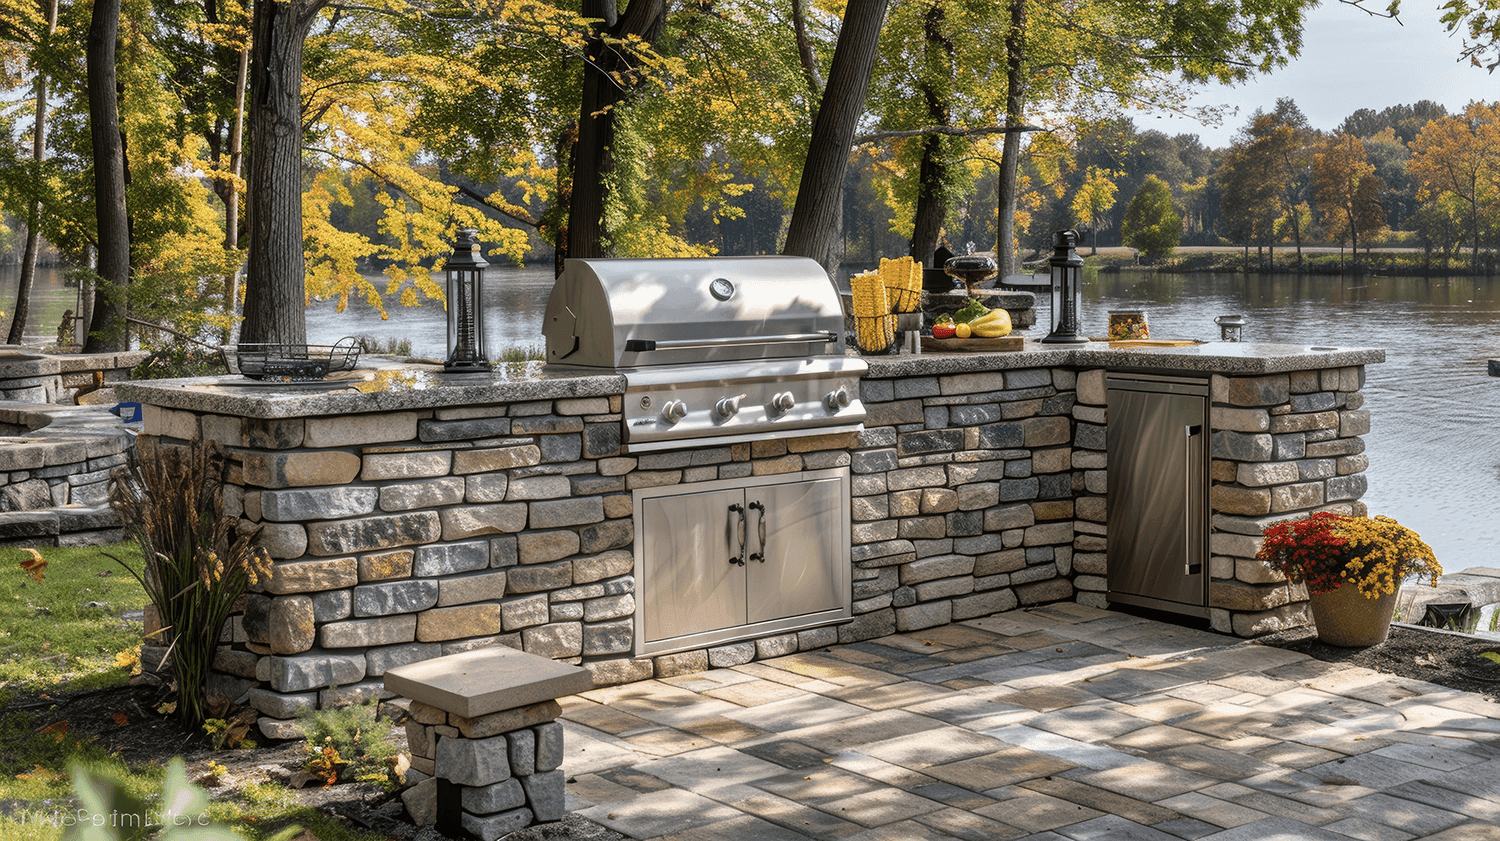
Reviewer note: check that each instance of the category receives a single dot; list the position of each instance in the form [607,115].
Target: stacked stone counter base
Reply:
[486,748]
[435,515]
[1283,446]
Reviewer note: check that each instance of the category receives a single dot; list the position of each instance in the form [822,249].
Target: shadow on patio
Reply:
[1058,722]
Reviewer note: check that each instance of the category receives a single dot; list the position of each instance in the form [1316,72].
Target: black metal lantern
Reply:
[1067,289]
[1230,327]
[465,288]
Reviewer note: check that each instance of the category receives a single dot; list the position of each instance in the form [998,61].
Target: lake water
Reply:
[1433,448]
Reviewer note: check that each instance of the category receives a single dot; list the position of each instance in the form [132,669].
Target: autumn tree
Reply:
[935,96]
[1152,224]
[1093,199]
[1459,156]
[1266,176]
[1249,195]
[1348,190]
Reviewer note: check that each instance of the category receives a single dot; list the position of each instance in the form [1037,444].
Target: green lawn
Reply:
[68,626]
[67,633]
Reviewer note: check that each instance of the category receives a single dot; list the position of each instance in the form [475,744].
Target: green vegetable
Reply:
[970,311]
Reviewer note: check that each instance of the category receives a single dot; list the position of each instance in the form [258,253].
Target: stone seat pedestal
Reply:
[484,739]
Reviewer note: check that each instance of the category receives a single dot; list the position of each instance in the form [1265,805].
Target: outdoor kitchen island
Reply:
[413,514]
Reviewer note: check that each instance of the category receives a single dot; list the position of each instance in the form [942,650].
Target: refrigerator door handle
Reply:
[1193,431]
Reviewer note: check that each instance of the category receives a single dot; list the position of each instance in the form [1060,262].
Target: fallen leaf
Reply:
[36,773]
[35,565]
[167,707]
[57,728]
[121,719]
[1492,656]
[1426,660]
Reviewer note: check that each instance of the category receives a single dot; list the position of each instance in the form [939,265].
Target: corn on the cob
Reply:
[869,295]
[902,278]
[874,327]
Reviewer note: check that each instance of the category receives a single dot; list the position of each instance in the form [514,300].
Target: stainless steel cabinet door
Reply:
[800,523]
[1158,520]
[694,585]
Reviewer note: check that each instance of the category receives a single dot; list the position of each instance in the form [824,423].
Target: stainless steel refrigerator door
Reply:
[1158,496]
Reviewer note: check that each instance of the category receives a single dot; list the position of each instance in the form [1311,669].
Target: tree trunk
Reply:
[817,216]
[275,289]
[606,81]
[107,331]
[232,207]
[932,175]
[932,205]
[1010,157]
[34,212]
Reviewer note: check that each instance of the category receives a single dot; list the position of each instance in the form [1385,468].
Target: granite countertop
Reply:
[1229,358]
[384,384]
[378,385]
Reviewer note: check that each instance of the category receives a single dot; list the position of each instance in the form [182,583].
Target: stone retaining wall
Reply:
[54,474]
[58,378]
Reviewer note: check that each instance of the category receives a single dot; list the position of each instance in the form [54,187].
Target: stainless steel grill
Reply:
[713,351]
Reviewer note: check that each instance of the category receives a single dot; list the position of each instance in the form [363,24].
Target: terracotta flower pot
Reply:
[1346,618]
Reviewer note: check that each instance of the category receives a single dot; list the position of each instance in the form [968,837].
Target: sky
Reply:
[1351,60]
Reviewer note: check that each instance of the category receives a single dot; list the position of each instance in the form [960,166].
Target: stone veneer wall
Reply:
[963,497]
[1283,445]
[412,534]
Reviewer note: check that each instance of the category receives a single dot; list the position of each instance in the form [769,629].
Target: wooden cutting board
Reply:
[973,344]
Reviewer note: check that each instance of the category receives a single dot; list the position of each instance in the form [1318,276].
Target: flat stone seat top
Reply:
[486,680]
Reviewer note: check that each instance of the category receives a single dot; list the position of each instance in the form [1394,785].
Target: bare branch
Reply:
[1392,11]
[950,131]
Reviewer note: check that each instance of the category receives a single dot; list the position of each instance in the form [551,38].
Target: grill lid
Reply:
[621,313]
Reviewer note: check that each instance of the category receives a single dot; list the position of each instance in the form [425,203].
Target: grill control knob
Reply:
[837,399]
[674,411]
[783,402]
[727,407]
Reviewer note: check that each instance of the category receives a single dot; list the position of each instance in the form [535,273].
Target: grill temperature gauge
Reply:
[674,411]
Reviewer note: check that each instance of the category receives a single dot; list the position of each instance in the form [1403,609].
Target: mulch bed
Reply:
[1447,659]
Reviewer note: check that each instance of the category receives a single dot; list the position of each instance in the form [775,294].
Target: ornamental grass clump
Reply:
[1328,550]
[198,560]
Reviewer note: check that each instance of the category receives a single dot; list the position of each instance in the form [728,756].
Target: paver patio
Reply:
[1057,722]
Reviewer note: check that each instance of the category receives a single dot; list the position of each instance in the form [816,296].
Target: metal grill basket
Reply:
[290,362]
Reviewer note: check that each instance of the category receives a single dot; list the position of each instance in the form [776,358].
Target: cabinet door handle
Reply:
[738,560]
[1188,476]
[760,527]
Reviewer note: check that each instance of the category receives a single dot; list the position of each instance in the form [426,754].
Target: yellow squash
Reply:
[991,325]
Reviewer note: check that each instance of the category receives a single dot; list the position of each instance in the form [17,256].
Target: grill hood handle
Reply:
[642,345]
